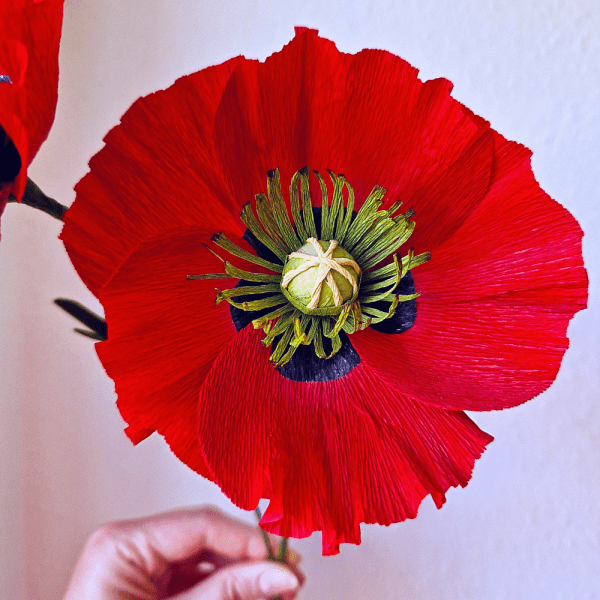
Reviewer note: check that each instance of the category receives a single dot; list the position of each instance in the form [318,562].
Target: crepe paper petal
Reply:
[126,198]
[517,239]
[264,119]
[28,83]
[483,354]
[146,301]
[328,455]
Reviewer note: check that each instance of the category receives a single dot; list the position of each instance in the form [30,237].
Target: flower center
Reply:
[320,275]
[328,263]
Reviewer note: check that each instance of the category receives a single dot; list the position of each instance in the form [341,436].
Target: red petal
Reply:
[328,455]
[265,115]
[164,334]
[486,354]
[157,172]
[367,116]
[444,204]
[29,56]
[387,127]
[517,239]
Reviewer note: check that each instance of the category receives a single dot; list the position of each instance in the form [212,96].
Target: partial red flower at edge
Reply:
[367,434]
[28,86]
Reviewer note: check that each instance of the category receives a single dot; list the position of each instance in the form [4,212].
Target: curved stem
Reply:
[33,196]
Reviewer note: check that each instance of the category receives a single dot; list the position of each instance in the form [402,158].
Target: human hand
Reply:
[189,554]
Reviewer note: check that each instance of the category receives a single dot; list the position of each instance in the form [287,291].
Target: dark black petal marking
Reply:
[306,366]
[5,79]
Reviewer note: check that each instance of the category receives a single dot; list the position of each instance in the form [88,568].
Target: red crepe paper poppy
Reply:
[28,86]
[344,406]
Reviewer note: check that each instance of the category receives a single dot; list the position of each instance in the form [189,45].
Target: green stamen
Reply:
[253,305]
[252,223]
[283,343]
[336,214]
[220,240]
[318,339]
[248,291]
[283,324]
[249,275]
[324,206]
[280,211]
[295,207]
[266,217]
[345,225]
[365,216]
[266,322]
[307,211]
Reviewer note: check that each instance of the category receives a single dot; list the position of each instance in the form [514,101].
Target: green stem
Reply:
[264,534]
[281,552]
[33,196]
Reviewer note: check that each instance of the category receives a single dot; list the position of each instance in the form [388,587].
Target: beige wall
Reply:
[528,525]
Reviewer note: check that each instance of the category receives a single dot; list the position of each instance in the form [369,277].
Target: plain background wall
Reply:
[528,524]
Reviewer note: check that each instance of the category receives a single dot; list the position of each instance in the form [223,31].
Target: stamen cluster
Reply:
[366,239]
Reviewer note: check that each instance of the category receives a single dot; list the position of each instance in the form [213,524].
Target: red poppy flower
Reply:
[28,86]
[343,406]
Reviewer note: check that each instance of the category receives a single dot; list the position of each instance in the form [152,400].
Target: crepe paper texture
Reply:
[28,86]
[486,275]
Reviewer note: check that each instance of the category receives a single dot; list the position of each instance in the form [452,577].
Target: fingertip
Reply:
[277,579]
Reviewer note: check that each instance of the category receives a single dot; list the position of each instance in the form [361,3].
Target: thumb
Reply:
[249,581]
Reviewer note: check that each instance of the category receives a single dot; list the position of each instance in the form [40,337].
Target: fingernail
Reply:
[276,580]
